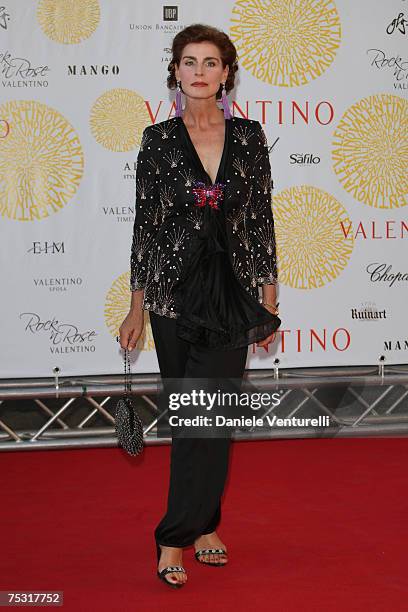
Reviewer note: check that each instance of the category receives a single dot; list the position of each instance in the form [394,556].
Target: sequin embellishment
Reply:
[210,195]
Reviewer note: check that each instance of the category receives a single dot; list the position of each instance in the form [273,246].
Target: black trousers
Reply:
[198,466]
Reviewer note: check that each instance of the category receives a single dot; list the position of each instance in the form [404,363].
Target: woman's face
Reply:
[201,70]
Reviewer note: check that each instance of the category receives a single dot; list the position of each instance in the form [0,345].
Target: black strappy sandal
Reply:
[168,570]
[209,551]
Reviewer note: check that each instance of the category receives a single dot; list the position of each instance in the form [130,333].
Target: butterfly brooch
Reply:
[208,194]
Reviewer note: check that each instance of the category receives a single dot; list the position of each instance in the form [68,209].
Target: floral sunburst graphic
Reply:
[288,43]
[118,118]
[68,21]
[41,161]
[370,151]
[312,249]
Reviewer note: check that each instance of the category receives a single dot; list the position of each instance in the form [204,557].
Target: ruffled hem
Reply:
[197,331]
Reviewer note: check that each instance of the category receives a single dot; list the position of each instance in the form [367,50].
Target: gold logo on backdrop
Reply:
[286,43]
[118,118]
[116,308]
[41,161]
[311,248]
[68,21]
[370,152]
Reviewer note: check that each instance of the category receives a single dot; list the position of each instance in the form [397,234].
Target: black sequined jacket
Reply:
[167,217]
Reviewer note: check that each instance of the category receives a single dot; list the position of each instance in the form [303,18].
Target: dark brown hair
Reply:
[198,32]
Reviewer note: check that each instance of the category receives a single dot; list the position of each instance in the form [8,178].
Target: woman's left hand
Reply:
[264,343]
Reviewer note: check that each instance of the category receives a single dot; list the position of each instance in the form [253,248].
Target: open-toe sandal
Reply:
[168,570]
[210,551]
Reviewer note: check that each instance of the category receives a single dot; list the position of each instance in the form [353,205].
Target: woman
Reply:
[203,244]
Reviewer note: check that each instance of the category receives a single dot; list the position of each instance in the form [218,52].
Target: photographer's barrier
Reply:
[314,402]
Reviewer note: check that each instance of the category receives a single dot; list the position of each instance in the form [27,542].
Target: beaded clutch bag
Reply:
[128,426]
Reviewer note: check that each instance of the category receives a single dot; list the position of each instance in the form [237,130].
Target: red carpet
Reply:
[309,524]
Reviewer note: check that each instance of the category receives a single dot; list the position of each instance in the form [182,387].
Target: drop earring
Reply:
[179,108]
[224,99]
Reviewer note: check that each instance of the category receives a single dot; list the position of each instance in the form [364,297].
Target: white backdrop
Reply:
[81,79]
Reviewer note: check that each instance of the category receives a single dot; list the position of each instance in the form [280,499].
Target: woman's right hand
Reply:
[131,329]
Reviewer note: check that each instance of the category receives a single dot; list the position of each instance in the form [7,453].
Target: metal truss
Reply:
[80,412]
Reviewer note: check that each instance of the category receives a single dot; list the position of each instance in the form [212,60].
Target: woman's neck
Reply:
[202,114]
